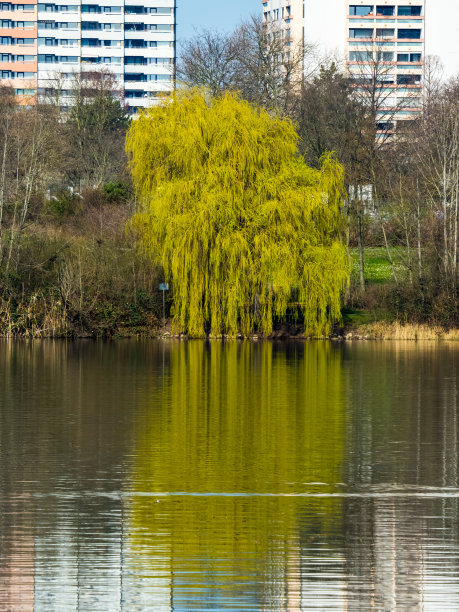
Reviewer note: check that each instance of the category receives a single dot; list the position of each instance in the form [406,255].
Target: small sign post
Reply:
[164,287]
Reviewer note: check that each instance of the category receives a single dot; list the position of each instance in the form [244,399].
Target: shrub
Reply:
[117,191]
[63,204]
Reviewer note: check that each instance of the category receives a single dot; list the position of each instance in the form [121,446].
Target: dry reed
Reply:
[408,331]
[38,317]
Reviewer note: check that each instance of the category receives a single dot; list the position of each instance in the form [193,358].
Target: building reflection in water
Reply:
[401,537]
[17,559]
[238,476]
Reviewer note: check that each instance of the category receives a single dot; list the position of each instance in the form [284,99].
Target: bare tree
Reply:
[433,77]
[96,124]
[258,59]
[376,86]
[209,60]
[33,134]
[7,112]
[270,69]
[436,149]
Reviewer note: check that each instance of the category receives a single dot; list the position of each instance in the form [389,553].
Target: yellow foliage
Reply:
[239,222]
[221,456]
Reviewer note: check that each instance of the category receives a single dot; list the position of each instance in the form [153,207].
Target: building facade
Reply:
[44,45]
[385,51]
[385,42]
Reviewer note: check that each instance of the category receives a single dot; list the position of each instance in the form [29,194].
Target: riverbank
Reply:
[55,325]
[81,275]
[381,330]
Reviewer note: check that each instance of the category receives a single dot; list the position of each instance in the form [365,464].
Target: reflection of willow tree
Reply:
[239,418]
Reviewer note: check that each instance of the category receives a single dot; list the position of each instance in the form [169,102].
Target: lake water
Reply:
[172,476]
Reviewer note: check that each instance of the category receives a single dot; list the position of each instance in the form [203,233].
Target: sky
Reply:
[208,14]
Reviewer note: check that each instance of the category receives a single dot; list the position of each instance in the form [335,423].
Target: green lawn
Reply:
[377,265]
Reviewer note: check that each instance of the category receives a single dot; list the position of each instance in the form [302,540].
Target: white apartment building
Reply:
[397,35]
[43,44]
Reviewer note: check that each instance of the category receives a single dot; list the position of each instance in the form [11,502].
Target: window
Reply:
[386,11]
[135,60]
[409,57]
[92,25]
[408,79]
[409,102]
[385,33]
[385,56]
[384,126]
[135,44]
[136,10]
[91,42]
[361,56]
[134,93]
[137,78]
[405,33]
[410,11]
[90,8]
[361,33]
[386,79]
[161,11]
[361,11]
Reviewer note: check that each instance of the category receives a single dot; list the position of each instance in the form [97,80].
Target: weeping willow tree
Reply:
[243,228]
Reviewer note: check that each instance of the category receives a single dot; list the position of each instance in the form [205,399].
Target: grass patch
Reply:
[358,317]
[377,265]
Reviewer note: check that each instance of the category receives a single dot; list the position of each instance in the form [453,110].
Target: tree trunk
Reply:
[361,251]
[418,220]
[389,256]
